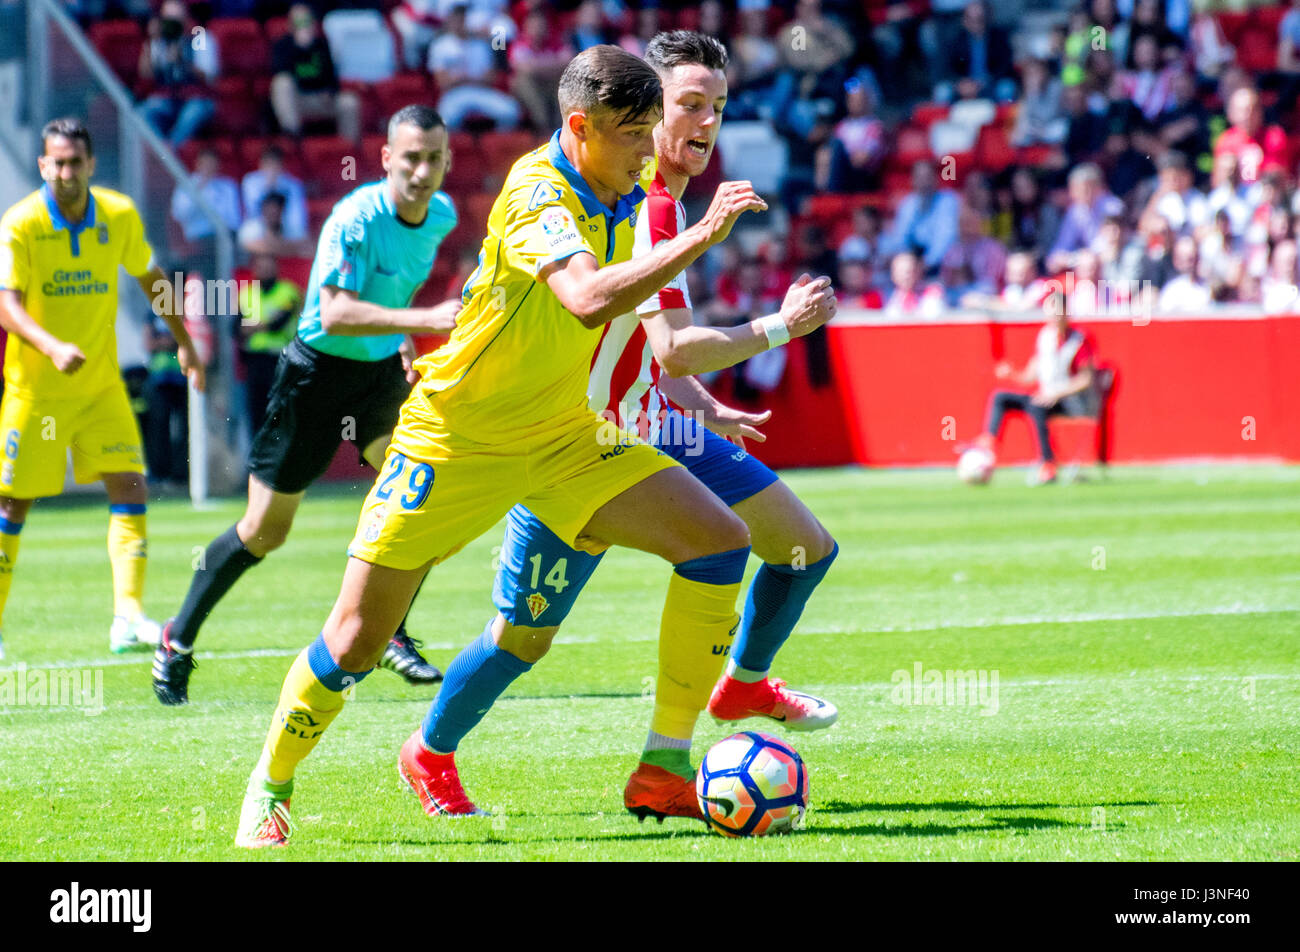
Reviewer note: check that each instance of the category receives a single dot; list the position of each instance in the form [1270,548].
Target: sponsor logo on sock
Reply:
[77,905]
[304,722]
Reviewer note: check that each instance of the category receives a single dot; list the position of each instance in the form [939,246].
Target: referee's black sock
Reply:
[222,562]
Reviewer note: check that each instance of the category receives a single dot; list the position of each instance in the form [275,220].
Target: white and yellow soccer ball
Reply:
[752,784]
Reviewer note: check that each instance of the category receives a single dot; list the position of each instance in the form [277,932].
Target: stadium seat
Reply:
[250,153]
[1085,440]
[238,113]
[993,149]
[911,145]
[371,165]
[362,45]
[1035,155]
[276,27]
[326,158]
[297,270]
[401,90]
[119,42]
[926,114]
[753,152]
[242,46]
[502,149]
[226,153]
[1257,49]
[467,168]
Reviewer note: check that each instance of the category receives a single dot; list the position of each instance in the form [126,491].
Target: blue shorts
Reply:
[540,576]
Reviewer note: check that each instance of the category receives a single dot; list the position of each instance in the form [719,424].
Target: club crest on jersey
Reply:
[537,604]
[101,232]
[543,194]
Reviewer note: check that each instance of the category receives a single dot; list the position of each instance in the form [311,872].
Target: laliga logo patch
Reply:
[537,604]
[555,221]
[102,233]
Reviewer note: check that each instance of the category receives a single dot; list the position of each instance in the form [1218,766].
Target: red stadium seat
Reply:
[119,42]
[502,149]
[276,27]
[467,167]
[250,153]
[1035,155]
[1232,24]
[241,45]
[911,145]
[993,149]
[297,270]
[225,149]
[926,113]
[238,113]
[402,90]
[318,209]
[1257,49]
[324,158]
[370,165]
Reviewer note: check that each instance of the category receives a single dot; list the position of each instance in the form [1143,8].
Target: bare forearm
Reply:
[170,307]
[688,393]
[354,318]
[613,291]
[15,320]
[698,350]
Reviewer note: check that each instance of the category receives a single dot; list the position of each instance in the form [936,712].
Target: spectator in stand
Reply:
[901,52]
[181,75]
[1022,288]
[269,307]
[1210,50]
[1278,291]
[265,233]
[855,288]
[849,162]
[1185,126]
[974,262]
[1231,195]
[1220,256]
[537,58]
[1040,117]
[270,176]
[1085,129]
[304,83]
[1288,57]
[465,69]
[926,221]
[910,298]
[416,22]
[1176,199]
[1090,205]
[755,65]
[588,26]
[166,420]
[1035,221]
[815,50]
[862,245]
[1150,253]
[1258,148]
[1088,296]
[219,190]
[1148,19]
[978,63]
[1185,291]
[815,256]
[648,23]
[1107,29]
[1149,84]
[1061,371]
[1126,167]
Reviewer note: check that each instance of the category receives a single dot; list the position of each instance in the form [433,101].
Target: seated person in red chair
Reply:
[1062,370]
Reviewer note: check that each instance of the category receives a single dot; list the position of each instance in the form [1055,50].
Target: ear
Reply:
[385,156]
[579,125]
[90,165]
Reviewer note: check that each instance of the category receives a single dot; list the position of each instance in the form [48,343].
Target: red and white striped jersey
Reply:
[624,382]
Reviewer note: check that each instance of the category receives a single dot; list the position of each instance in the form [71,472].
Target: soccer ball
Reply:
[975,466]
[752,784]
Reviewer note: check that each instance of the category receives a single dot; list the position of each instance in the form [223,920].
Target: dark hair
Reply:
[68,128]
[273,198]
[607,77]
[273,151]
[684,48]
[423,117]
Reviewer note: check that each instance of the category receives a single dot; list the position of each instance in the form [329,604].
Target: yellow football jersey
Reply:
[67,278]
[517,364]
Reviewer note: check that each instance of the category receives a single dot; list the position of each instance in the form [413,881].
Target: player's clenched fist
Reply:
[730,201]
[67,357]
[808,305]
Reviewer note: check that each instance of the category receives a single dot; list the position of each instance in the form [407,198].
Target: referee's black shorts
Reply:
[316,402]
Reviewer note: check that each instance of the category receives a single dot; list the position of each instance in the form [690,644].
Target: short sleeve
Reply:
[660,221]
[137,255]
[14,271]
[341,255]
[540,228]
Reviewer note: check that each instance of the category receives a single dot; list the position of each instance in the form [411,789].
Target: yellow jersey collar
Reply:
[625,207]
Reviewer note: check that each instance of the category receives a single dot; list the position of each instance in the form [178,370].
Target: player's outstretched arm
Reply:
[67,357]
[596,295]
[345,314]
[171,308]
[736,425]
[683,349]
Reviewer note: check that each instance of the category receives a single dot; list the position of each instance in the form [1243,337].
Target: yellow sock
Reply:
[127,553]
[695,636]
[307,706]
[8,558]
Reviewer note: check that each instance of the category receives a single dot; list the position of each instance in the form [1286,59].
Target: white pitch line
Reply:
[1014,621]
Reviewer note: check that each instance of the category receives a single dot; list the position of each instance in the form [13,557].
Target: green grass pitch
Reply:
[1144,632]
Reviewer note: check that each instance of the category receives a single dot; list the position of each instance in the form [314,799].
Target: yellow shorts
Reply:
[429,503]
[100,430]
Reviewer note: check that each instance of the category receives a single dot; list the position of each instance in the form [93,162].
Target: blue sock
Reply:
[474,681]
[772,609]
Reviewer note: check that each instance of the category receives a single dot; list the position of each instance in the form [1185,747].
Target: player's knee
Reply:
[14,510]
[820,544]
[729,533]
[526,644]
[261,536]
